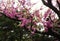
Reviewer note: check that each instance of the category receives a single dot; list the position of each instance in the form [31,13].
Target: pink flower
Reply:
[47,13]
[10,13]
[32,32]
[22,1]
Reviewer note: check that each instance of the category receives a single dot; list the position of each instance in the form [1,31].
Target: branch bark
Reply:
[49,4]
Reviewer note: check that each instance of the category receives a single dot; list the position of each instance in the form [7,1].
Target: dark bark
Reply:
[49,4]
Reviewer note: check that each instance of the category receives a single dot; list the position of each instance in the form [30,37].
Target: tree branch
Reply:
[49,4]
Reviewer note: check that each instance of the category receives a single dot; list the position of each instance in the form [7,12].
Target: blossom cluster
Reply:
[32,15]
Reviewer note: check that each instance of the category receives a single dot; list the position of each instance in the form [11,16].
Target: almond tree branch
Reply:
[50,31]
[49,4]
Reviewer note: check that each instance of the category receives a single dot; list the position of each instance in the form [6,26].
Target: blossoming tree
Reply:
[38,16]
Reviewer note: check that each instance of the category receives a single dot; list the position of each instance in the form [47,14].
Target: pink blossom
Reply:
[22,1]
[32,32]
[28,13]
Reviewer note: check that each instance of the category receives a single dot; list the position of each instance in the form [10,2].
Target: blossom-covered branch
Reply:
[34,19]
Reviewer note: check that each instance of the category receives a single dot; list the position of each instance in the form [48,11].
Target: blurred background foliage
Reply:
[10,31]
